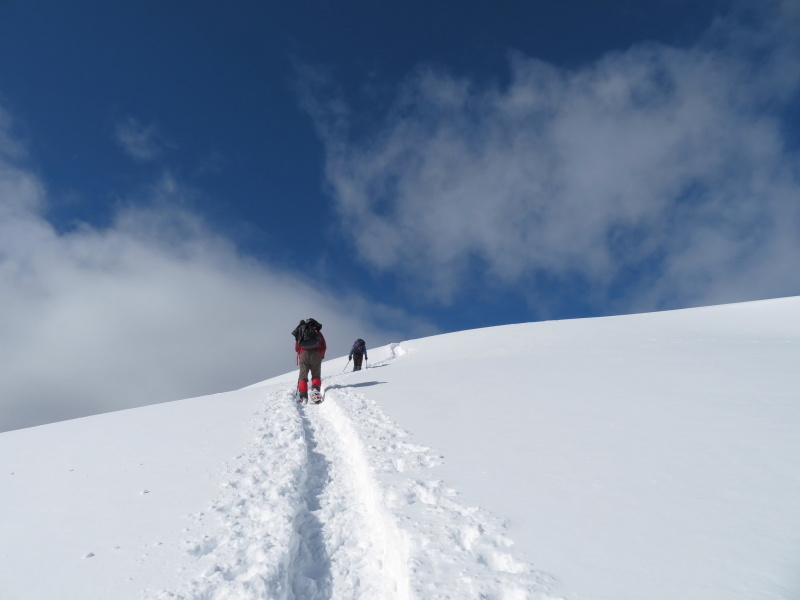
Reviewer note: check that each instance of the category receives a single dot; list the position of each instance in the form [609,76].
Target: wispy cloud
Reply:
[140,141]
[156,307]
[659,175]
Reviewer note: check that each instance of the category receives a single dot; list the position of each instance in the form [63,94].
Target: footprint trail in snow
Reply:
[331,502]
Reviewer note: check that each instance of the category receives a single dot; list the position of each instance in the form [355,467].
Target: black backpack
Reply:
[307,334]
[359,346]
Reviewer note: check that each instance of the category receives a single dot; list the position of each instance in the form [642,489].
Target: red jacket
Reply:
[321,348]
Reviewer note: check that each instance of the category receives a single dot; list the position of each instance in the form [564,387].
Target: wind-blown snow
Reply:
[650,456]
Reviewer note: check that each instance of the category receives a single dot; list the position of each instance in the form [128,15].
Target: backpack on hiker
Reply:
[307,334]
[359,347]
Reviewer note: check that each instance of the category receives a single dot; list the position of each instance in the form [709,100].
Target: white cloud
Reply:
[665,162]
[156,305]
[139,141]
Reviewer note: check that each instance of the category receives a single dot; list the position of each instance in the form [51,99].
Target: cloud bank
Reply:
[154,308]
[656,177]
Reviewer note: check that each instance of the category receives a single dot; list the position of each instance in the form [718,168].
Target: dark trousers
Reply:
[357,358]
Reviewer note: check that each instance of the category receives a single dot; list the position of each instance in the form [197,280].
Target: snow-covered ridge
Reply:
[646,456]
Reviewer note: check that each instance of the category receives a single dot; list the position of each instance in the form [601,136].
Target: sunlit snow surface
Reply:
[651,456]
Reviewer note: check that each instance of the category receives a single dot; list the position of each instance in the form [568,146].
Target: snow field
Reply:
[653,456]
[250,552]
[332,502]
[454,551]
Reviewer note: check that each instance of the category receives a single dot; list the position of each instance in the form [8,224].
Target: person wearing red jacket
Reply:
[310,347]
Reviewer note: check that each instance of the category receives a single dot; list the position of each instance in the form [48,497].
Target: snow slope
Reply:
[651,456]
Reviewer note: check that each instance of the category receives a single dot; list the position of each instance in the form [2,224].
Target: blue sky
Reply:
[401,168]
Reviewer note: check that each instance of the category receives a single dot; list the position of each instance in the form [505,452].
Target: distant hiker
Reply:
[358,353]
[310,347]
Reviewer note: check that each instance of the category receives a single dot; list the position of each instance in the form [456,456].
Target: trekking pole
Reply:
[345,367]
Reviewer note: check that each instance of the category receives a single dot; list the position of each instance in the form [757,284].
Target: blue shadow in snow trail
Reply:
[354,385]
[310,575]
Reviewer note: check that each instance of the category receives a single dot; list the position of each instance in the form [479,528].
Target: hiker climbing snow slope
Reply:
[310,347]
[358,353]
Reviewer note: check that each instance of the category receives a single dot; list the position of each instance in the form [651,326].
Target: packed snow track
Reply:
[330,502]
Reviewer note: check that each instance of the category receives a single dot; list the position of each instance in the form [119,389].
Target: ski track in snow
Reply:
[330,502]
